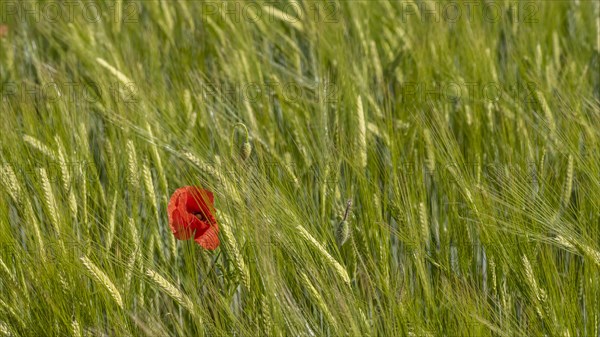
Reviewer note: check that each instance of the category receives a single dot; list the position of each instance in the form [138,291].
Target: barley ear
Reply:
[568,187]
[114,71]
[539,293]
[51,204]
[362,133]
[424,223]
[135,239]
[149,185]
[30,215]
[265,315]
[132,176]
[10,182]
[593,254]
[38,145]
[548,114]
[103,279]
[430,159]
[76,328]
[171,290]
[66,177]
[326,256]
[232,248]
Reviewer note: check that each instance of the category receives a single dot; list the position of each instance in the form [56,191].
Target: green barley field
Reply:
[379,168]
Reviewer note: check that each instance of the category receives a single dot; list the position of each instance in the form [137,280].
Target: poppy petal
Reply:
[191,213]
[200,201]
[196,198]
[198,225]
[209,239]
[180,225]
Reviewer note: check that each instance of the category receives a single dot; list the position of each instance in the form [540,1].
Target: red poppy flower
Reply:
[191,212]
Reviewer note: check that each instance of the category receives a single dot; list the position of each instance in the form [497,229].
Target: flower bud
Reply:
[342,233]
[246,151]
